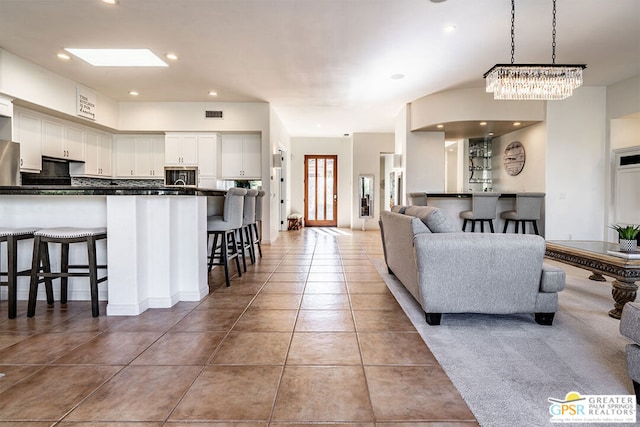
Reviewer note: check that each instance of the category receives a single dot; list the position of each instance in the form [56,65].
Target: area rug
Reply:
[507,366]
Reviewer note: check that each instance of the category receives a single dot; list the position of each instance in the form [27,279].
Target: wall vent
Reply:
[210,114]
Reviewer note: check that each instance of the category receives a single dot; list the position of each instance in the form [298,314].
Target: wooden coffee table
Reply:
[593,256]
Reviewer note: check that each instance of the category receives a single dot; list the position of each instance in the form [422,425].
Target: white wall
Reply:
[367,148]
[624,133]
[577,166]
[623,98]
[29,82]
[340,146]
[425,159]
[532,177]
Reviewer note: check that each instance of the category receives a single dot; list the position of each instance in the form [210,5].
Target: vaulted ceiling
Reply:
[326,66]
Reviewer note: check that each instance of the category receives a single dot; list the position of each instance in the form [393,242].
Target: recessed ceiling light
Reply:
[483,123]
[491,133]
[397,76]
[438,1]
[110,1]
[118,57]
[134,93]
[450,28]
[517,123]
[172,56]
[440,126]
[63,56]
[213,93]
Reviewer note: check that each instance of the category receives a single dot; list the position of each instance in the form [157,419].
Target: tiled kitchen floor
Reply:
[310,334]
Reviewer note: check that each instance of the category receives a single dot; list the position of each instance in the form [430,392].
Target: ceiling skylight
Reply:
[118,57]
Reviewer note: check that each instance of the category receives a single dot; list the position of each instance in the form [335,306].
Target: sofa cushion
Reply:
[553,279]
[630,321]
[398,208]
[436,219]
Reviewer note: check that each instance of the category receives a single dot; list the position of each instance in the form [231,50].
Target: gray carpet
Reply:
[506,366]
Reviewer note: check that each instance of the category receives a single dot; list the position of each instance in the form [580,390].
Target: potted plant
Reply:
[627,235]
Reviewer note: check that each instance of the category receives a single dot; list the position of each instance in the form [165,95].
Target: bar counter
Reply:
[454,203]
[156,247]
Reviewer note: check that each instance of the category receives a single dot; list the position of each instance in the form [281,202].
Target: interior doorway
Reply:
[321,190]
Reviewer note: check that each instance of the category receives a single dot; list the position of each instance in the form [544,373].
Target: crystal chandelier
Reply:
[533,81]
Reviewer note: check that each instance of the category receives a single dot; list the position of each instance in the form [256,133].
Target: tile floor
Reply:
[310,334]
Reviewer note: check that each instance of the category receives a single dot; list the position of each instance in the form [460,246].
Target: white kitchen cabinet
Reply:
[181,149]
[241,157]
[61,141]
[139,156]
[149,156]
[207,149]
[28,128]
[123,156]
[98,150]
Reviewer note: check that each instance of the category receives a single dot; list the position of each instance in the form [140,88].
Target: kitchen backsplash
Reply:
[101,182]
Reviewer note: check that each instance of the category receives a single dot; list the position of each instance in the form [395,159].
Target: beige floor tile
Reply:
[277,301]
[394,348]
[283,287]
[326,277]
[325,302]
[382,320]
[13,374]
[209,320]
[257,320]
[378,287]
[230,393]
[324,348]
[226,301]
[292,269]
[9,339]
[43,348]
[51,392]
[253,348]
[181,348]
[150,321]
[335,268]
[288,277]
[426,394]
[323,393]
[325,288]
[119,399]
[360,276]
[325,321]
[384,301]
[110,348]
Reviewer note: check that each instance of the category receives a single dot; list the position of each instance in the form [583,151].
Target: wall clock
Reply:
[514,158]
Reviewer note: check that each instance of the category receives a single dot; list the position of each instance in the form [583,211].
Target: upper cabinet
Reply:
[28,129]
[181,149]
[61,140]
[98,146]
[240,157]
[139,156]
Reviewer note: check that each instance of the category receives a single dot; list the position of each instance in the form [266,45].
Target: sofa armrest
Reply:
[630,321]
[553,279]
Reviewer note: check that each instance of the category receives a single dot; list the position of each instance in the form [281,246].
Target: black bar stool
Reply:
[12,236]
[41,264]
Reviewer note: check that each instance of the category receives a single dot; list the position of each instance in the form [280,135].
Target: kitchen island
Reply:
[156,247]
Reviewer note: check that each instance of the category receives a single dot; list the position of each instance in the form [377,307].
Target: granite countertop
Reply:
[113,190]
[466,195]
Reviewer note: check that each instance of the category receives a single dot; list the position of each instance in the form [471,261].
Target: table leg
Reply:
[597,277]
[623,292]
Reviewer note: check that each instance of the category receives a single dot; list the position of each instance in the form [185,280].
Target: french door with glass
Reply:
[321,190]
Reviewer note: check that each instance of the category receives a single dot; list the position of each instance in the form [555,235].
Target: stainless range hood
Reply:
[9,163]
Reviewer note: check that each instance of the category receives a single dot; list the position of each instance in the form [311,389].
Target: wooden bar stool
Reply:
[248,218]
[256,227]
[41,264]
[11,236]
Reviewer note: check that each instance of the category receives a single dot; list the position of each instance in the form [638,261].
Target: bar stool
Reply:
[483,209]
[41,263]
[417,199]
[255,228]
[11,236]
[223,229]
[248,218]
[528,207]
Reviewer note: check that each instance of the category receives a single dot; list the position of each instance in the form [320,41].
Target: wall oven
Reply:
[181,176]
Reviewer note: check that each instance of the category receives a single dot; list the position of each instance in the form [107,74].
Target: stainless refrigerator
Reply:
[9,163]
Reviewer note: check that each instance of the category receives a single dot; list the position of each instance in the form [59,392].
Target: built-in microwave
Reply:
[181,176]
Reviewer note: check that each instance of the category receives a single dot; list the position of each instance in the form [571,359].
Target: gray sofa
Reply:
[448,271]
[630,328]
